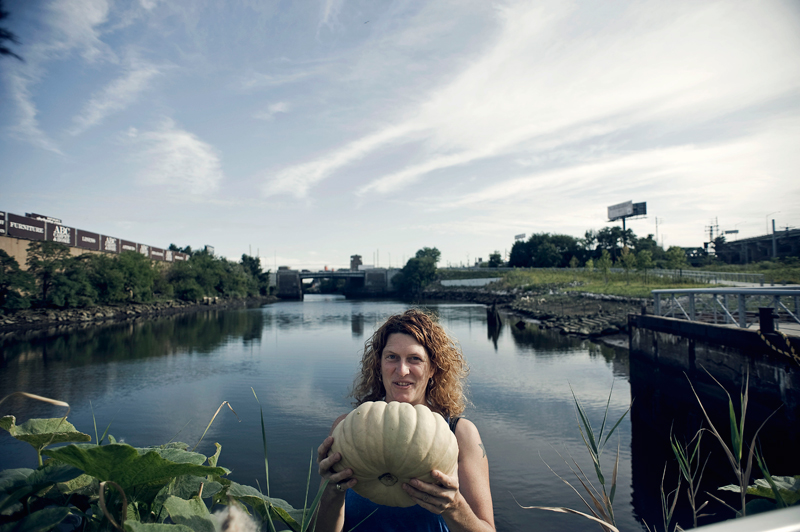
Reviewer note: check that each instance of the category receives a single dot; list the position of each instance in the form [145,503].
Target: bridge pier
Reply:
[288,284]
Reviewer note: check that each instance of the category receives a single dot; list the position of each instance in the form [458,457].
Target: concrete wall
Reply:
[728,354]
[18,248]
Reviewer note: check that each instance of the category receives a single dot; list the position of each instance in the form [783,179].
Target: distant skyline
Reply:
[307,132]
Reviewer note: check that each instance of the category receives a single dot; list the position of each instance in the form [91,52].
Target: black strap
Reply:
[453,423]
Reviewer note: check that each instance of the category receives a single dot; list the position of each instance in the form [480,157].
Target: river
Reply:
[162,380]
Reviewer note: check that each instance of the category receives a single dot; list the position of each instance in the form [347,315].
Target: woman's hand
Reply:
[439,497]
[338,482]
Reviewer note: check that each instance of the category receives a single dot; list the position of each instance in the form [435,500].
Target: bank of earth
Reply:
[571,313]
[67,319]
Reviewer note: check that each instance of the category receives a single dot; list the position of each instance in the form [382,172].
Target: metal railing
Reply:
[727,305]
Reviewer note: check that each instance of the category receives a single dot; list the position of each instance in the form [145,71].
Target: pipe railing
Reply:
[727,305]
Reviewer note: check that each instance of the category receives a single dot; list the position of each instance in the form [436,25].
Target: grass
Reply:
[774,272]
[446,274]
[633,284]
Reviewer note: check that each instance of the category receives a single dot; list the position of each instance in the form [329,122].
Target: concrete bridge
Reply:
[371,282]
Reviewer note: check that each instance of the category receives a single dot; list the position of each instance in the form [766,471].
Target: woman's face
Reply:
[405,369]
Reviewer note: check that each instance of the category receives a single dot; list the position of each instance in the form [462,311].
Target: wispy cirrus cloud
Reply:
[115,96]
[542,82]
[272,110]
[176,159]
[297,180]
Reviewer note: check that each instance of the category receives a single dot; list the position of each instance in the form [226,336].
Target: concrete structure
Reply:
[374,282]
[784,243]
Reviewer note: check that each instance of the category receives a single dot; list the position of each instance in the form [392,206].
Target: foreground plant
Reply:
[602,507]
[117,486]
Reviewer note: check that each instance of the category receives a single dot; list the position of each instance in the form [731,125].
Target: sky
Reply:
[305,132]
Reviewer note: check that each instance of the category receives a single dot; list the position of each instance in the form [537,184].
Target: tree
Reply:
[46,261]
[628,261]
[574,262]
[6,35]
[418,272]
[429,253]
[495,259]
[72,287]
[604,263]
[547,256]
[138,276]
[519,257]
[15,284]
[589,265]
[676,258]
[644,262]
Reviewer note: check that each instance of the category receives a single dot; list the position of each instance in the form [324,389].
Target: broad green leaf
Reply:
[757,506]
[81,485]
[174,454]
[19,487]
[214,458]
[278,507]
[41,521]
[136,526]
[13,478]
[42,432]
[192,513]
[124,465]
[185,487]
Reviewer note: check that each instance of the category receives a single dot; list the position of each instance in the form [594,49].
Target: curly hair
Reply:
[446,393]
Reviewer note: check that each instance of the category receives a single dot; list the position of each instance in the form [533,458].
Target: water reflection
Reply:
[153,378]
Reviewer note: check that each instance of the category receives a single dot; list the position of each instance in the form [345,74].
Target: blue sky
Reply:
[309,131]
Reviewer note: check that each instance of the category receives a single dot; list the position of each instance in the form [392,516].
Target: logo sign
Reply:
[2,223]
[87,240]
[519,237]
[128,246]
[43,218]
[620,210]
[21,227]
[61,234]
[180,257]
[157,254]
[168,255]
[144,250]
[109,244]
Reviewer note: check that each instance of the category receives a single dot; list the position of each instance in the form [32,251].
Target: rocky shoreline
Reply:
[64,319]
[572,313]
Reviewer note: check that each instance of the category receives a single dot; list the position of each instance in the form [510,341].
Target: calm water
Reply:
[164,379]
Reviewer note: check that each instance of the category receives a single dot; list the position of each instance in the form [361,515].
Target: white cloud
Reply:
[330,14]
[177,159]
[27,127]
[273,109]
[114,97]
[297,180]
[555,76]
[75,24]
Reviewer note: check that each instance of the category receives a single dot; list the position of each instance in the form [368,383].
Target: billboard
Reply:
[87,240]
[519,237]
[640,209]
[21,227]
[125,245]
[144,249]
[2,223]
[620,210]
[109,244]
[61,234]
[157,254]
[43,218]
[179,257]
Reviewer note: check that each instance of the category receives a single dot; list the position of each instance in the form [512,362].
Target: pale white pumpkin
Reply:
[387,444]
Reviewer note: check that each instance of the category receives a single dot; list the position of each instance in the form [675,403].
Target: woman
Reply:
[411,359]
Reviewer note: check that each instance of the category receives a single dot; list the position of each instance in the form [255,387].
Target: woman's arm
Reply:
[464,501]
[330,514]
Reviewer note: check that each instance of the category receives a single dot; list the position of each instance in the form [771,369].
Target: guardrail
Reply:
[727,305]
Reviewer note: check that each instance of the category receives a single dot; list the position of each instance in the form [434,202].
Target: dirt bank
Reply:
[64,319]
[581,314]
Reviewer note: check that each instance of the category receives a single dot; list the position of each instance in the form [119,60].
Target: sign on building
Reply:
[144,249]
[109,244]
[126,245]
[2,223]
[21,227]
[87,240]
[43,218]
[61,234]
[157,254]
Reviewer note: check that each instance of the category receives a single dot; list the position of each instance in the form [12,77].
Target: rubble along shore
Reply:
[575,313]
[65,319]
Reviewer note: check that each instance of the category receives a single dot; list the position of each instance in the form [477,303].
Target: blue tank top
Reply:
[390,518]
